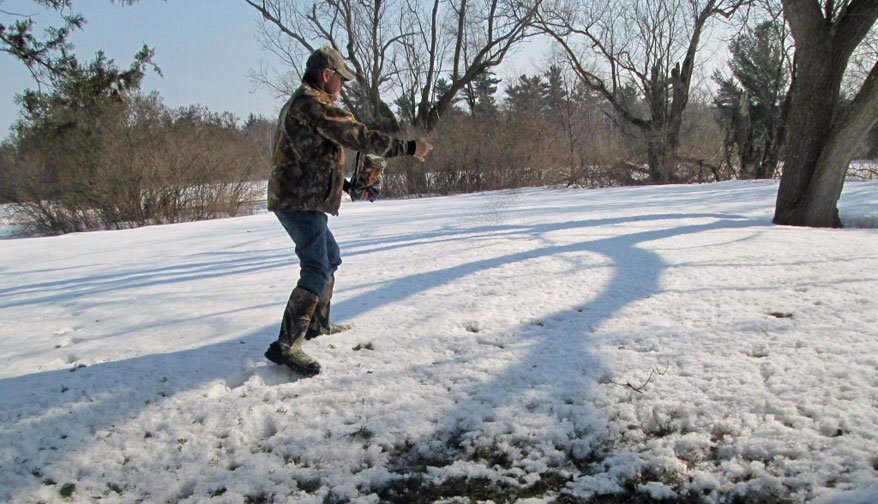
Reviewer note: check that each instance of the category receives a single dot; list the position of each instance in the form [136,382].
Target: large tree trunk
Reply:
[748,154]
[661,160]
[839,148]
[663,142]
[814,103]
[819,147]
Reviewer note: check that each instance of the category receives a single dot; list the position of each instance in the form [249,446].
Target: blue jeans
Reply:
[318,253]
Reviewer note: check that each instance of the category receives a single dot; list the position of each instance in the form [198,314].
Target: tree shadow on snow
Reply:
[46,417]
[550,385]
[208,266]
[51,414]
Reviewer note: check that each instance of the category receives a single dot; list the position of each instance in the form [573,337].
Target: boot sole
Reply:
[274,355]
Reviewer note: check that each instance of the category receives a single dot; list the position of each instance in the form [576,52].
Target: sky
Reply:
[205,49]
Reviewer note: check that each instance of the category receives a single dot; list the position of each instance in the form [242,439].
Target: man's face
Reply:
[332,82]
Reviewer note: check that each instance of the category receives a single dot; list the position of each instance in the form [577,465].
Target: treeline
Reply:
[87,156]
[96,153]
[624,106]
[91,151]
[549,130]
[639,58]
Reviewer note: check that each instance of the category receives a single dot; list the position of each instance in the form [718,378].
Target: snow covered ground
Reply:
[534,346]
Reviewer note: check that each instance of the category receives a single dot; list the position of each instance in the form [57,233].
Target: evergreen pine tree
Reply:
[555,95]
[749,103]
[479,95]
[527,95]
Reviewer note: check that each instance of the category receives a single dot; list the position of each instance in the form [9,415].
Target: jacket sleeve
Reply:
[340,126]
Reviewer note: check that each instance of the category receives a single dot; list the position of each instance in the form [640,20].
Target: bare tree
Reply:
[405,44]
[362,31]
[820,143]
[465,39]
[648,44]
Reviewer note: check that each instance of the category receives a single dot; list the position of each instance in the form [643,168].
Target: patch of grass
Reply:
[309,486]
[67,490]
[412,485]
[492,457]
[778,314]
[414,490]
[664,430]
[257,499]
[549,482]
[363,346]
[759,499]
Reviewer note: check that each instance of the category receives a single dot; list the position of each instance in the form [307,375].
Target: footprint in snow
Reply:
[268,374]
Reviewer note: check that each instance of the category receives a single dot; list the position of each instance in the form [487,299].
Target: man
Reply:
[306,182]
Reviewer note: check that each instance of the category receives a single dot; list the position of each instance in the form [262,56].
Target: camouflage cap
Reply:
[327,57]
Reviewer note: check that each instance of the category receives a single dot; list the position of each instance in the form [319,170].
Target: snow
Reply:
[660,341]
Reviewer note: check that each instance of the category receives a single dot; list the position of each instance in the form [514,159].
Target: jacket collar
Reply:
[318,94]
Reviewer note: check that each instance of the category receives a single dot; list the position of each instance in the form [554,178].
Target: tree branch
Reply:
[639,389]
[275,20]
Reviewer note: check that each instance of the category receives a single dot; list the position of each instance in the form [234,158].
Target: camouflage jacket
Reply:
[307,170]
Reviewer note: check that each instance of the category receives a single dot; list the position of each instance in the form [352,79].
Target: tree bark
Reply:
[833,162]
[819,147]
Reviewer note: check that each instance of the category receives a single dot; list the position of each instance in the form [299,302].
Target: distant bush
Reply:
[92,152]
[131,162]
[579,144]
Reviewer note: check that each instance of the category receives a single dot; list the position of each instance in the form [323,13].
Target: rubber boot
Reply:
[287,350]
[320,324]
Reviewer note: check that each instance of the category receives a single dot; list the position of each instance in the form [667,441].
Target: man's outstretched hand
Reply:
[422,148]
